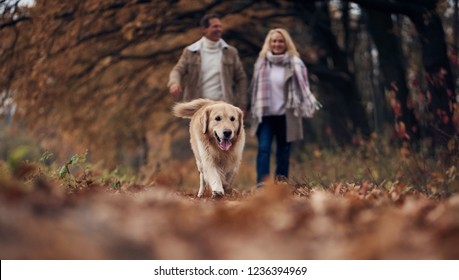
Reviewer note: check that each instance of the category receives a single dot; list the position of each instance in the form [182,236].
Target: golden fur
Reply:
[217,139]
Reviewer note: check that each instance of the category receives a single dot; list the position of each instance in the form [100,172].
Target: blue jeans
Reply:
[270,127]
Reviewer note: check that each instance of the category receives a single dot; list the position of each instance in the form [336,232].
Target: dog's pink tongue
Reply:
[225,144]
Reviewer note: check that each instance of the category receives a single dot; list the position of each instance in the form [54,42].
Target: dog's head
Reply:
[224,123]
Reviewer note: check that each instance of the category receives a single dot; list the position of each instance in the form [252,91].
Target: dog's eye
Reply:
[218,118]
[232,118]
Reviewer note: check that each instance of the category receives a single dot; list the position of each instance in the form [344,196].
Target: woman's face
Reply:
[278,45]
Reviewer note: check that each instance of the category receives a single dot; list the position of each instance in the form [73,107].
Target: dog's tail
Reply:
[187,109]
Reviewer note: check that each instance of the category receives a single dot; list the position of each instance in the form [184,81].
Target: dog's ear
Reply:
[240,115]
[203,120]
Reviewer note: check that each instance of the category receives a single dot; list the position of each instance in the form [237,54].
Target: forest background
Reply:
[83,99]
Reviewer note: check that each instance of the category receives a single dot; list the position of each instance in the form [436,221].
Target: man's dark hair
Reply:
[205,21]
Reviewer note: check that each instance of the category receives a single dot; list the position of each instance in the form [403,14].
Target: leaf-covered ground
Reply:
[39,219]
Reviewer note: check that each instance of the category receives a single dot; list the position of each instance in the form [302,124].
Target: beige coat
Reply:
[187,73]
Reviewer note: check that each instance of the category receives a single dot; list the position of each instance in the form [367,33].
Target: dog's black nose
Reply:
[227,133]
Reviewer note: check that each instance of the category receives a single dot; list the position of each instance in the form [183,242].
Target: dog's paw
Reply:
[217,195]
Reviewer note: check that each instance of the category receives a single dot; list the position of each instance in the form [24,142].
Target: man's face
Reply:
[214,31]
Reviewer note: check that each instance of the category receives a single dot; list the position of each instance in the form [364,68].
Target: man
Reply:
[210,68]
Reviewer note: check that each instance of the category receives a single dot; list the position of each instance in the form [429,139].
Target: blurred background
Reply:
[94,166]
[80,76]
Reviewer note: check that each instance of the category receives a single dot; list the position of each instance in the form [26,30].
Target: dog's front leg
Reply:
[201,184]
[213,179]
[229,180]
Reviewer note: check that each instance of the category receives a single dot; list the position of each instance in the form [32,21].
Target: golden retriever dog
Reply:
[217,139]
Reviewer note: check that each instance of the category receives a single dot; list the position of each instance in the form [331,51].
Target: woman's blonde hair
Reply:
[291,49]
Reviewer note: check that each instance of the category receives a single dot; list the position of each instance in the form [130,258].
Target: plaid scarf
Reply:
[299,97]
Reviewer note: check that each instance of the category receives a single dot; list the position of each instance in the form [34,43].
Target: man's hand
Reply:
[175,90]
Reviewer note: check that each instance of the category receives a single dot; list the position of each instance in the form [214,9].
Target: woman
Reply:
[280,97]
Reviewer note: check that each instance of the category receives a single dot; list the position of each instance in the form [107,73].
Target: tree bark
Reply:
[347,116]
[391,62]
[438,74]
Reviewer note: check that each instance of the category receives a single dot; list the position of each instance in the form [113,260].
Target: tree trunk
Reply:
[439,78]
[347,116]
[391,62]
[440,96]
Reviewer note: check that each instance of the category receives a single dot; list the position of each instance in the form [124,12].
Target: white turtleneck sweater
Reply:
[277,77]
[211,57]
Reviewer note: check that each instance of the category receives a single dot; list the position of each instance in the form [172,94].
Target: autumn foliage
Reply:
[75,211]
[106,171]
[92,74]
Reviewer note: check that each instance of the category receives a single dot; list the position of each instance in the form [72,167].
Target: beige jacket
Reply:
[187,73]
